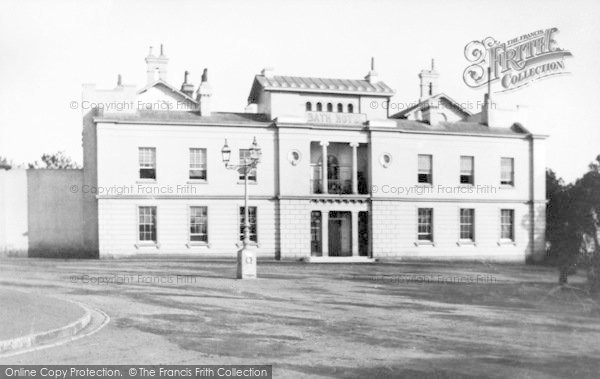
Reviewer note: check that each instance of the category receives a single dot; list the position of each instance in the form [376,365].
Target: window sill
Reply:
[145,181]
[506,243]
[507,186]
[193,245]
[252,182]
[147,245]
[425,243]
[197,181]
[466,243]
[240,244]
[428,185]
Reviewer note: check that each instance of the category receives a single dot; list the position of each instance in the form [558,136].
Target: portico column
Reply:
[324,187]
[325,233]
[354,233]
[354,146]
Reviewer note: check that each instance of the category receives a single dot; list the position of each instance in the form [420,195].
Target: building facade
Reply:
[341,179]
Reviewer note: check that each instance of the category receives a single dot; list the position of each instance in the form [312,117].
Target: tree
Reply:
[588,193]
[57,160]
[561,225]
[573,224]
[5,164]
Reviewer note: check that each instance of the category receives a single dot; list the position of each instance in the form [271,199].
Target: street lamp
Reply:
[246,259]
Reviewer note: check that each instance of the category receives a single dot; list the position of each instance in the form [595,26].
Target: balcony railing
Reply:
[334,186]
[340,186]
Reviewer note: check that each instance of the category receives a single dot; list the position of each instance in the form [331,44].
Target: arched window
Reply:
[329,107]
[319,107]
[308,106]
[340,108]
[350,108]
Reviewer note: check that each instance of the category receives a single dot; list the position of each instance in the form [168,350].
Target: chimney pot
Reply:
[268,72]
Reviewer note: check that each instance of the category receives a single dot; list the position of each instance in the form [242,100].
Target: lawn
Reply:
[310,320]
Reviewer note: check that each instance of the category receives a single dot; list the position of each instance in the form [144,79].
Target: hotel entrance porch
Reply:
[339,234]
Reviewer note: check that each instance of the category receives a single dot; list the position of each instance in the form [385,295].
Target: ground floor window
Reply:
[252,234]
[315,234]
[507,221]
[199,224]
[425,224]
[467,224]
[363,233]
[147,224]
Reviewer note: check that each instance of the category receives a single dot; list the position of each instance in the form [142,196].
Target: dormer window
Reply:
[340,108]
[329,107]
[319,107]
[308,106]
[350,108]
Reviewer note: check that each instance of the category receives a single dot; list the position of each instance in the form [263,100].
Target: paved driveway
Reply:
[379,320]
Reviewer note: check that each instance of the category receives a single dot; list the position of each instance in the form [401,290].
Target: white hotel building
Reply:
[340,178]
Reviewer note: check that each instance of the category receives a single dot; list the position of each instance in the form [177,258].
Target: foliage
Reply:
[573,224]
[5,164]
[57,160]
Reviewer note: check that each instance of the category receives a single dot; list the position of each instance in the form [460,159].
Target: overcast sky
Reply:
[49,49]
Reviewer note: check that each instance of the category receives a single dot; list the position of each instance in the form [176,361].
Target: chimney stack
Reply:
[430,112]
[429,82]
[372,75]
[487,114]
[156,65]
[203,95]
[186,87]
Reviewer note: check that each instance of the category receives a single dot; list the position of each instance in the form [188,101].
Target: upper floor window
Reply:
[425,224]
[198,224]
[350,108]
[425,174]
[467,224]
[507,220]
[329,107]
[467,175]
[198,164]
[319,107]
[252,234]
[147,158]
[308,106]
[147,224]
[507,171]
[245,154]
[340,107]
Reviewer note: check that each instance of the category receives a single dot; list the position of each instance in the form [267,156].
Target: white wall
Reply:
[13,212]
[118,163]
[395,231]
[119,227]
[446,151]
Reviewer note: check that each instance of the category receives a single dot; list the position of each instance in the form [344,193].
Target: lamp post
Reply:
[246,259]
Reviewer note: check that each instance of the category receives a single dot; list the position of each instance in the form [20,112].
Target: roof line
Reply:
[169,86]
[320,90]
[441,94]
[266,124]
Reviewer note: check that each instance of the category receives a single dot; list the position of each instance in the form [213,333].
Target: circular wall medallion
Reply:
[385,159]
[294,157]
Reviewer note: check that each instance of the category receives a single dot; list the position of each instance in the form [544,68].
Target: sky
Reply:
[49,49]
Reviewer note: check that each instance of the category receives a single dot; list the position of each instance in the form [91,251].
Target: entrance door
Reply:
[340,234]
[335,237]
